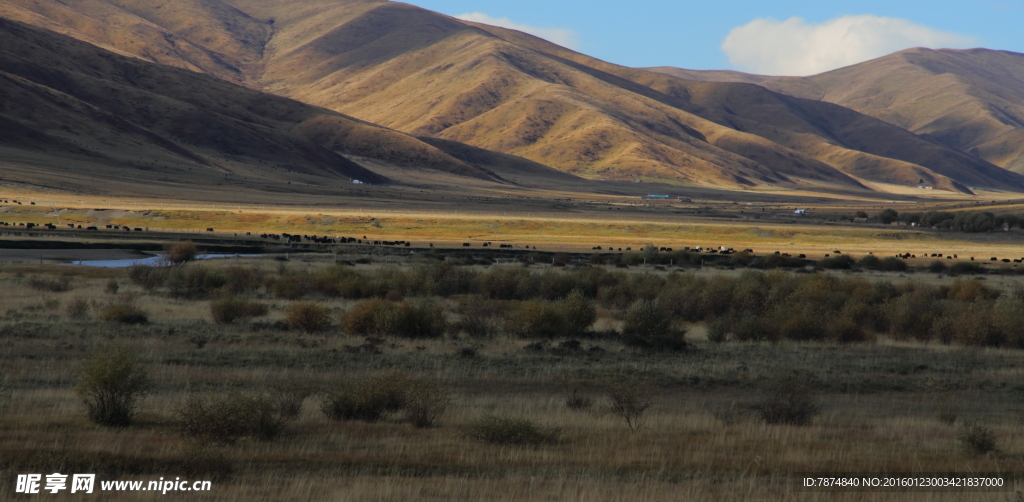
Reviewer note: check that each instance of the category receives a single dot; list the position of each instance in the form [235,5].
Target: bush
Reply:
[77,308]
[149,278]
[309,317]
[182,252]
[425,403]
[579,313]
[372,317]
[367,399]
[110,384]
[975,439]
[631,402]
[229,310]
[791,400]
[124,313]
[57,285]
[536,319]
[225,419]
[194,282]
[421,319]
[646,319]
[112,287]
[511,431]
[480,317]
[840,262]
[291,286]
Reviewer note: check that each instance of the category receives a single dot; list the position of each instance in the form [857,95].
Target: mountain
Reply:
[433,76]
[79,117]
[971,100]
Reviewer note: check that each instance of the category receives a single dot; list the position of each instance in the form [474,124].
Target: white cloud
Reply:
[795,47]
[560,36]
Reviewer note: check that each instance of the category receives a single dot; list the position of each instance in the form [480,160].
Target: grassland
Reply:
[885,404]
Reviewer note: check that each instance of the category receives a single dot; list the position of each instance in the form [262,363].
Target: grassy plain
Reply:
[882,405]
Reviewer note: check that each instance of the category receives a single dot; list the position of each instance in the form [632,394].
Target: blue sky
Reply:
[778,37]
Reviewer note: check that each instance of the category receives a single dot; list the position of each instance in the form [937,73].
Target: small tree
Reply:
[110,385]
[182,252]
[888,216]
[631,402]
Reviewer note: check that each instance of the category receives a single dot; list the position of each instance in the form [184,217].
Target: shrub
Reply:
[536,319]
[241,280]
[646,320]
[966,268]
[425,403]
[870,262]
[291,286]
[791,400]
[225,419]
[124,313]
[888,216]
[149,278]
[372,317]
[60,284]
[229,310]
[891,264]
[367,399]
[421,319]
[480,317]
[975,439]
[511,431]
[182,252]
[579,313]
[631,402]
[110,384]
[937,267]
[194,281]
[840,262]
[112,287]
[309,317]
[77,308]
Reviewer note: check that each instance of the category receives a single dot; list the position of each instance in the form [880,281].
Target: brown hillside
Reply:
[971,100]
[430,75]
[127,121]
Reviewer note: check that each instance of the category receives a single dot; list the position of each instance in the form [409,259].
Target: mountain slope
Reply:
[67,103]
[971,100]
[430,75]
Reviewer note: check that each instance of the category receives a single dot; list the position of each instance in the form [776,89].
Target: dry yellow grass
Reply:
[683,453]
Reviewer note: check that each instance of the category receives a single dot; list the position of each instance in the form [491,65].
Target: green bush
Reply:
[110,385]
[511,431]
[309,317]
[229,310]
[838,262]
[480,317]
[291,286]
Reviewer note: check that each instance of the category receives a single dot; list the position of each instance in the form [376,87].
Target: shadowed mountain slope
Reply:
[132,121]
